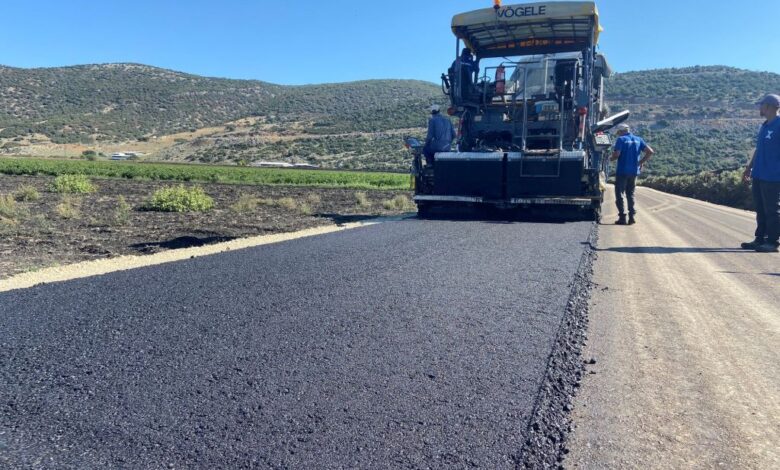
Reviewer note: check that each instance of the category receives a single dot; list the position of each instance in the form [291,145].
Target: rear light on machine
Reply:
[496,4]
[451,111]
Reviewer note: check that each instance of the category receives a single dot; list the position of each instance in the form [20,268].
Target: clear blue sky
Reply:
[307,41]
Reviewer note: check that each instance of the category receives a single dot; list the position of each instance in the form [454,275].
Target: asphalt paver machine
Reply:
[531,115]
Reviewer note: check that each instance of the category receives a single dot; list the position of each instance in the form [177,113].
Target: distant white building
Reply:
[271,164]
[282,165]
[125,155]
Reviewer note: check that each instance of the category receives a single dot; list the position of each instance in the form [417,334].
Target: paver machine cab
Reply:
[531,130]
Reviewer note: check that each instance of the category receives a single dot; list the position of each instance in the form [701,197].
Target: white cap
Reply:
[435,108]
[623,127]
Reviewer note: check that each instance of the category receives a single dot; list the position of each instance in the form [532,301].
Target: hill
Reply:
[697,118]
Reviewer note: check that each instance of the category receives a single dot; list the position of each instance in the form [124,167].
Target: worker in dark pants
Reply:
[466,75]
[631,153]
[764,170]
[441,133]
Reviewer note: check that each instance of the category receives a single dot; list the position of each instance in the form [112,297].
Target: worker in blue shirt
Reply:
[469,71]
[441,133]
[631,153]
[764,170]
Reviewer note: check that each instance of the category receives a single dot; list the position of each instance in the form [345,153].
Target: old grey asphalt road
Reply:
[685,330]
[406,344]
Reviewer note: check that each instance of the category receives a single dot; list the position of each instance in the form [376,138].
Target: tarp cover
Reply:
[528,28]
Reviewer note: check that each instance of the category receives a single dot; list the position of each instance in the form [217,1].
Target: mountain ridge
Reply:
[690,113]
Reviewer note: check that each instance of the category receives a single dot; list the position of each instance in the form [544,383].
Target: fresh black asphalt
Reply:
[406,344]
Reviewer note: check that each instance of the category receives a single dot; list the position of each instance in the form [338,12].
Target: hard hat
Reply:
[623,128]
[435,108]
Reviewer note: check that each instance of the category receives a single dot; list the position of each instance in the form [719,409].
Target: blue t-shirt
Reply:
[630,148]
[766,165]
[440,134]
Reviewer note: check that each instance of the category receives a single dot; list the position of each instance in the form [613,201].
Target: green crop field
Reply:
[206,173]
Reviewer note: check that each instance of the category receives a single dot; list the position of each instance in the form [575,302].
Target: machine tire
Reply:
[423,211]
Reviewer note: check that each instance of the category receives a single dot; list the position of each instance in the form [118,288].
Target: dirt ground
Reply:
[683,357]
[43,234]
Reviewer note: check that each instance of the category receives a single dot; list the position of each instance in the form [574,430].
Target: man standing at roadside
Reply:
[764,170]
[631,153]
[440,135]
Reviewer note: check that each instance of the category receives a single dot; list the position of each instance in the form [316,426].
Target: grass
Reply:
[122,211]
[10,210]
[305,208]
[399,203]
[27,193]
[246,203]
[205,173]
[362,201]
[69,208]
[72,184]
[313,199]
[287,203]
[180,199]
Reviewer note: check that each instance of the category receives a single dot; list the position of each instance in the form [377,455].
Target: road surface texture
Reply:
[685,332]
[411,344]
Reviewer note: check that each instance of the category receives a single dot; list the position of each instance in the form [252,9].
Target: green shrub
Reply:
[27,193]
[72,184]
[180,199]
[90,155]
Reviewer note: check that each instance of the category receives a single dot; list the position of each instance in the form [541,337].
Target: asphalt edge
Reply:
[551,423]
[102,266]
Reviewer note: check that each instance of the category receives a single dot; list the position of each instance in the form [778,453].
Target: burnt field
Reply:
[41,228]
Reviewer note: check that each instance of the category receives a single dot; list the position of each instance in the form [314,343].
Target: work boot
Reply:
[631,220]
[768,247]
[752,245]
[621,220]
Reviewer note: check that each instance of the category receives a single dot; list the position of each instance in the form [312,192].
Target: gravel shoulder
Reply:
[684,332]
